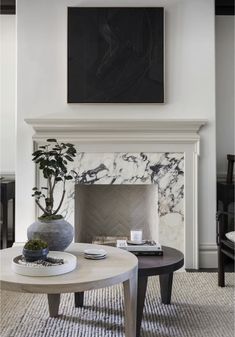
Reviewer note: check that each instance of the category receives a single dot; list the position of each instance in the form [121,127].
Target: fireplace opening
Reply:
[114,210]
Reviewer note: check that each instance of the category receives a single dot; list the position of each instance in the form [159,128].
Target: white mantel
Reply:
[125,130]
[137,135]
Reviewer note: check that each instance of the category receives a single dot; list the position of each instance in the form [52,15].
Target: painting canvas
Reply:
[115,55]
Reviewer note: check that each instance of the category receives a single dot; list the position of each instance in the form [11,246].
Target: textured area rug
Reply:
[199,308]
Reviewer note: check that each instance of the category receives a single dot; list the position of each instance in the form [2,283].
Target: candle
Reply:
[136,235]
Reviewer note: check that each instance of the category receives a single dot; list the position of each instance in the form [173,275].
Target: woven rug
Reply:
[199,308]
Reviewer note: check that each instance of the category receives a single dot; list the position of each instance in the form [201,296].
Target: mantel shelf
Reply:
[116,130]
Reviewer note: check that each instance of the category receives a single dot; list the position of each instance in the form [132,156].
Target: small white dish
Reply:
[98,255]
[95,252]
[92,257]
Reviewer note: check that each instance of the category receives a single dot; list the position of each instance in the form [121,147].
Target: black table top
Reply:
[6,181]
[224,183]
[7,190]
[171,260]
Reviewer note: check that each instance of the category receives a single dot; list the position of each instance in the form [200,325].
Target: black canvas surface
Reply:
[115,55]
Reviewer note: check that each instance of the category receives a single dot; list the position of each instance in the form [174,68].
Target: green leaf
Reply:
[37,156]
[39,160]
[68,157]
[60,165]
[46,172]
[64,169]
[52,153]
[53,165]
[37,193]
[71,150]
[58,179]
[68,177]
[36,152]
[51,140]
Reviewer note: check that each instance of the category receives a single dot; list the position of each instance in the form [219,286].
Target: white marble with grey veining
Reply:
[164,169]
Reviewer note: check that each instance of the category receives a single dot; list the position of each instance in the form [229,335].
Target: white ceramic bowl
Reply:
[70,263]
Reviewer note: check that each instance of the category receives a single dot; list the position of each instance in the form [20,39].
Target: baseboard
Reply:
[208,256]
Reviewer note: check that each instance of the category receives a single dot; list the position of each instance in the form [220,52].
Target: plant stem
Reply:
[61,201]
[51,199]
[40,206]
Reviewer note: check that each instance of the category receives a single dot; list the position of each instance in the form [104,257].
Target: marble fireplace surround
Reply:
[141,152]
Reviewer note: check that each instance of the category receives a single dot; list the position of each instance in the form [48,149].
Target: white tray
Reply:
[70,263]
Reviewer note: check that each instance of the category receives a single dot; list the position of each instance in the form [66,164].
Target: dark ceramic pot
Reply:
[34,255]
[57,233]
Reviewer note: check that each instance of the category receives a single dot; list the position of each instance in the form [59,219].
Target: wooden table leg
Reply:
[13,225]
[4,223]
[166,287]
[142,286]
[130,305]
[79,299]
[220,268]
[53,303]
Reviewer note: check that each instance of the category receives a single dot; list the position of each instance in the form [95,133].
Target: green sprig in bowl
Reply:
[35,250]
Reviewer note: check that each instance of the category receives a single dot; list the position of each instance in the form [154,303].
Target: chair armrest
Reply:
[220,213]
[220,225]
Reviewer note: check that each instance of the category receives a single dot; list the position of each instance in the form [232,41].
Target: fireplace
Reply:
[163,171]
[115,210]
[137,152]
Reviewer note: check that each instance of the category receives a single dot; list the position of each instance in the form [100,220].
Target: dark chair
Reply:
[225,219]
[226,247]
[231,160]
[226,189]
[7,193]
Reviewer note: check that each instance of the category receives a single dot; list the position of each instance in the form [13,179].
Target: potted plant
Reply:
[52,160]
[35,250]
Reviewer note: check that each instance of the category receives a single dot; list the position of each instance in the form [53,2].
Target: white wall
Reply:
[7,93]
[190,87]
[224,33]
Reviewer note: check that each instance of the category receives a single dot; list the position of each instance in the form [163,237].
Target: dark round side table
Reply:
[164,266]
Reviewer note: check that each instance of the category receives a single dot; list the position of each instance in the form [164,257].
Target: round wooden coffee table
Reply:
[119,267]
[164,266]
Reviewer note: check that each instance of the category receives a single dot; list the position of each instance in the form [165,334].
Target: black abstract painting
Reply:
[115,55]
